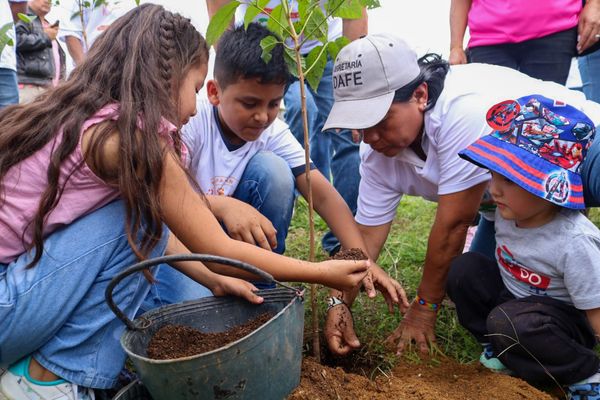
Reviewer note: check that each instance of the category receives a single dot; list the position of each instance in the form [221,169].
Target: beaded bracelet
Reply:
[431,306]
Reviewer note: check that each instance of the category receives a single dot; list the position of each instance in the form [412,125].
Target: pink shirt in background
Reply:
[512,21]
[84,191]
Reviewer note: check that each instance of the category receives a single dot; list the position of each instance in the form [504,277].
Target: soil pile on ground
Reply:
[350,254]
[449,380]
[176,341]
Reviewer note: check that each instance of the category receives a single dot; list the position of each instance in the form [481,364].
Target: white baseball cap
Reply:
[366,74]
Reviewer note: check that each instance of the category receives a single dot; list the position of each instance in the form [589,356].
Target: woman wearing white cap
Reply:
[415,116]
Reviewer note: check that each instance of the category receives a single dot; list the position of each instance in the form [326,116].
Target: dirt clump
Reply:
[350,254]
[176,341]
[449,380]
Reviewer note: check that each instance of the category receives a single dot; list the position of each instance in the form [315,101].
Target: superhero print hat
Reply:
[539,144]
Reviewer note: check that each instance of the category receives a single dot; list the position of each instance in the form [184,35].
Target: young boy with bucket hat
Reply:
[536,307]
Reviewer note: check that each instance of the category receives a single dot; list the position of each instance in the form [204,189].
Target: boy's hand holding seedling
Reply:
[342,274]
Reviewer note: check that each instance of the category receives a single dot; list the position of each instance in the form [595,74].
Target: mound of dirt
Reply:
[419,382]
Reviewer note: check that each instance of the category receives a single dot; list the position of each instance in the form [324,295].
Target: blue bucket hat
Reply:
[539,144]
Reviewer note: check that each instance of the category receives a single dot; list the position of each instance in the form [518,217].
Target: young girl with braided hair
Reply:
[92,181]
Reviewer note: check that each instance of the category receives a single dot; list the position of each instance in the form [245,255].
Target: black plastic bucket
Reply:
[264,364]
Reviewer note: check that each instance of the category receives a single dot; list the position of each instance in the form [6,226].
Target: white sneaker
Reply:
[14,385]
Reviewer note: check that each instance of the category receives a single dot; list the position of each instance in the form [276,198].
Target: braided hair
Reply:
[137,63]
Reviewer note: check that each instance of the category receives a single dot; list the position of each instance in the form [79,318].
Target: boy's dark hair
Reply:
[433,71]
[239,57]
[138,63]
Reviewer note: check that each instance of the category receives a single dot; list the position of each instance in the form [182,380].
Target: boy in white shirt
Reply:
[536,308]
[239,152]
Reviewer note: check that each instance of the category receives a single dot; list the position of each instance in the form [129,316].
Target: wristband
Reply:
[432,306]
[335,301]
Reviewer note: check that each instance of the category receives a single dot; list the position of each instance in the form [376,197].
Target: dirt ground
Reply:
[448,381]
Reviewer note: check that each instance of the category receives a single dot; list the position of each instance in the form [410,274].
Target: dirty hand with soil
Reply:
[417,326]
[339,325]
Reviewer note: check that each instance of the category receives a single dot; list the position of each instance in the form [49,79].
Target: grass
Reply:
[402,257]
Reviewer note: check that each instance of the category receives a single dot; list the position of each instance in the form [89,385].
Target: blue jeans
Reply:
[590,173]
[484,241]
[267,184]
[589,68]
[56,310]
[9,91]
[547,58]
[334,154]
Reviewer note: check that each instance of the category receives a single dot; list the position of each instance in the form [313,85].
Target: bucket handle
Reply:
[173,258]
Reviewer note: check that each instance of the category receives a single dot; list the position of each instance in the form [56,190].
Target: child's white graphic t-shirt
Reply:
[218,165]
[560,259]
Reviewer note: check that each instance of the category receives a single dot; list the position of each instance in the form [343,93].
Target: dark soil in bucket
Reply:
[176,341]
[350,254]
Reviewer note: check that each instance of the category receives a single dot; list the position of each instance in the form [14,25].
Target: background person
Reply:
[419,118]
[589,54]
[9,92]
[40,58]
[536,37]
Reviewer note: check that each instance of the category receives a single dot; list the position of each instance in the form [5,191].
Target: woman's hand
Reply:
[588,28]
[457,56]
[339,330]
[418,326]
[226,285]
[342,274]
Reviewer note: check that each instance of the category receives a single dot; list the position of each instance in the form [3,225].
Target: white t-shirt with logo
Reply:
[456,121]
[218,165]
[8,58]
[560,259]
[334,24]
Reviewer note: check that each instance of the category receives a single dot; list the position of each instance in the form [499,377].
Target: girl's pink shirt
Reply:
[512,21]
[84,191]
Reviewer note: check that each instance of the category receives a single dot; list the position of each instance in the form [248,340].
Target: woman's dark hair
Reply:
[138,63]
[239,57]
[433,71]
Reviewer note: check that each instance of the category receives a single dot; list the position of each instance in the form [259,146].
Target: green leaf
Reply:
[333,48]
[267,44]
[371,4]
[305,7]
[25,18]
[220,22]
[137,2]
[316,61]
[277,21]
[347,9]
[5,40]
[98,3]
[253,10]
[316,26]
[289,56]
